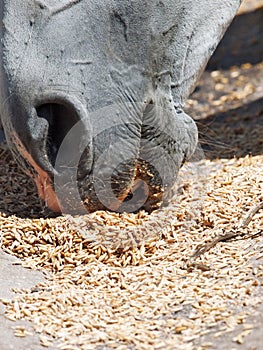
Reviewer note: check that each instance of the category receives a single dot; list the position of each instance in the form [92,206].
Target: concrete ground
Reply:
[12,275]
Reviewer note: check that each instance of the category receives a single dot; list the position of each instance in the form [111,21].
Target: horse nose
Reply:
[62,143]
[61,114]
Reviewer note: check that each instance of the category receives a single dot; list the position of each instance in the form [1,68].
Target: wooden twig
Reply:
[203,248]
[250,215]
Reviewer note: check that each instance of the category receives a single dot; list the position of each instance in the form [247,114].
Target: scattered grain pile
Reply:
[121,281]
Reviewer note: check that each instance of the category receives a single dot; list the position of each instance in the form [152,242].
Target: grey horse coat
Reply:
[92,94]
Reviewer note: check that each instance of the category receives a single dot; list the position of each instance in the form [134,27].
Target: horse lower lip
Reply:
[142,191]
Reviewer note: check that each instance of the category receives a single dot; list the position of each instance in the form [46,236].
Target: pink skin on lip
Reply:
[45,190]
[44,184]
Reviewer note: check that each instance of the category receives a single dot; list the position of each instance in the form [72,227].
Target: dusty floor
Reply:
[15,276]
[228,106]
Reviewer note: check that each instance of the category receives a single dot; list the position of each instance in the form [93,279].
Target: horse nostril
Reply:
[61,119]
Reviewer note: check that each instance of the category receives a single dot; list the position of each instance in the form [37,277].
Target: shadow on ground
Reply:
[242,43]
[234,133]
[237,130]
[18,193]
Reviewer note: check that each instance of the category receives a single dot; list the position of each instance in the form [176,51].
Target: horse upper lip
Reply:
[43,182]
[46,192]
